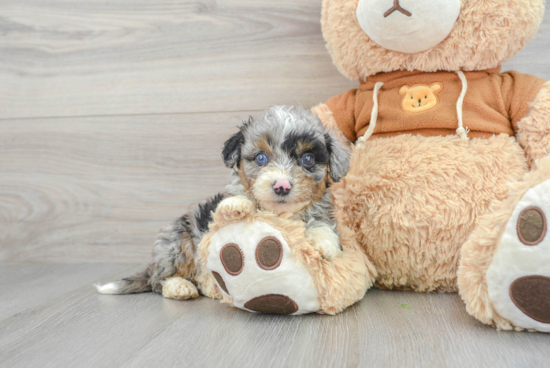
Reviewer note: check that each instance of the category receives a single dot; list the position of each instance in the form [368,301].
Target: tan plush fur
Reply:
[327,118]
[478,252]
[534,128]
[486,33]
[340,282]
[413,201]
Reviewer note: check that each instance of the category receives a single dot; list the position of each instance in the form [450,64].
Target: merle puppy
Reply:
[283,161]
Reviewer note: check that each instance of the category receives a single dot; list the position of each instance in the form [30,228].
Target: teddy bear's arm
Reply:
[338,113]
[534,129]
[327,117]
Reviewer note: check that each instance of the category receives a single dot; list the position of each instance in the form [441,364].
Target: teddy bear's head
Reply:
[365,37]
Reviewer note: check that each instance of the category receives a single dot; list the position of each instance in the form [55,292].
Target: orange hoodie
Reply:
[426,103]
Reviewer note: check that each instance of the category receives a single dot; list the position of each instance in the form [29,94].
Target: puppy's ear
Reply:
[232,150]
[340,155]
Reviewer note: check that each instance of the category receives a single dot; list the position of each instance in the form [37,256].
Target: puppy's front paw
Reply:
[328,250]
[235,208]
[325,241]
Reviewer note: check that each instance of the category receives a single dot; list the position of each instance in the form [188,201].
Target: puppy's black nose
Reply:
[282,187]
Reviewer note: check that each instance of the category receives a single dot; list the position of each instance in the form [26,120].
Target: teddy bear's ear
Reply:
[436,87]
[404,90]
[232,149]
[340,155]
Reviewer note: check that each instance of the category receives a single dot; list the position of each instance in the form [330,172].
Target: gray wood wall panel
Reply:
[99,145]
[99,189]
[81,58]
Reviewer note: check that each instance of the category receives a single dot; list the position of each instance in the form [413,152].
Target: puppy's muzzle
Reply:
[282,187]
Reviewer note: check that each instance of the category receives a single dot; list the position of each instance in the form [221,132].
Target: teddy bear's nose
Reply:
[419,101]
[397,7]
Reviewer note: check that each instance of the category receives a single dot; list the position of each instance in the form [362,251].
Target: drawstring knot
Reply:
[463,133]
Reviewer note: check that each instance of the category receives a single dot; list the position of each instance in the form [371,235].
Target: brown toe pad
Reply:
[269,253]
[220,281]
[272,303]
[232,259]
[531,226]
[531,294]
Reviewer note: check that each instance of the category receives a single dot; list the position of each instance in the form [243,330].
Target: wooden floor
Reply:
[51,316]
[112,118]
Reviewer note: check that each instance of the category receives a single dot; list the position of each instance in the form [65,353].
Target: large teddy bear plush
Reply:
[449,185]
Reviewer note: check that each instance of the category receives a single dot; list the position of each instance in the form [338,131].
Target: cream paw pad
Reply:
[518,278]
[255,267]
[504,275]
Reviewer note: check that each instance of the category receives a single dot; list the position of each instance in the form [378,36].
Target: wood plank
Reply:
[535,57]
[24,286]
[85,58]
[83,328]
[435,331]
[99,189]
[82,58]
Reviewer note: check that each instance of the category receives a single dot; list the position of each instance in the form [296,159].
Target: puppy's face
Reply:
[285,158]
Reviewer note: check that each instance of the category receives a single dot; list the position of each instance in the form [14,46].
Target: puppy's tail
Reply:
[138,283]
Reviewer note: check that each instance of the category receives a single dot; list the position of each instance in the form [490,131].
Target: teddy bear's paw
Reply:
[518,278]
[235,208]
[179,288]
[255,267]
[325,240]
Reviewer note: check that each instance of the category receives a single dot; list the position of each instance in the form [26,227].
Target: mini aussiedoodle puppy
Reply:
[284,161]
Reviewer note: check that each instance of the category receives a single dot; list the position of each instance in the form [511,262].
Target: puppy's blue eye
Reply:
[308,161]
[261,159]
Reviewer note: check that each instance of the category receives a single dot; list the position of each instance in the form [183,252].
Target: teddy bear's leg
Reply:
[270,268]
[504,273]
[262,262]
[255,267]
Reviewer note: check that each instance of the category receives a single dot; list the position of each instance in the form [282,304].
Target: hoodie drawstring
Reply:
[461,131]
